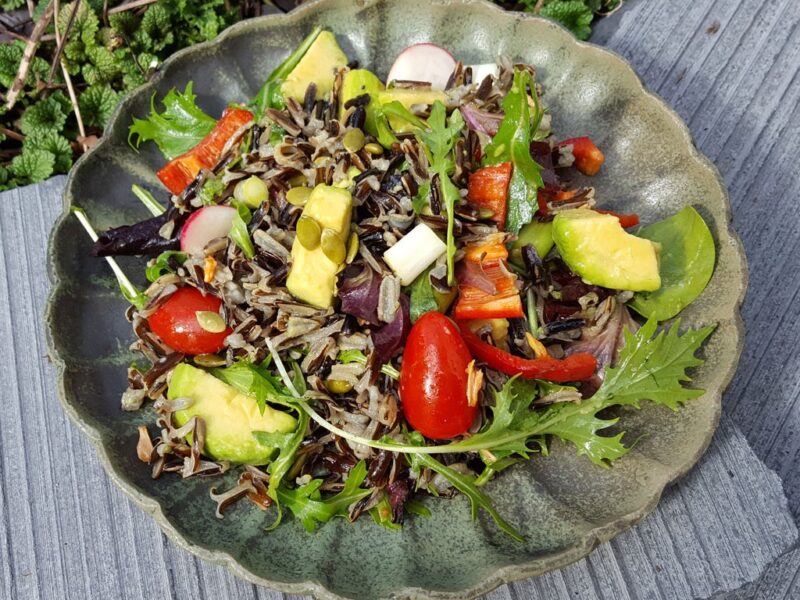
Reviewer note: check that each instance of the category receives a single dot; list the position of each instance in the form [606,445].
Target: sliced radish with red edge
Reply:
[423,62]
[204,225]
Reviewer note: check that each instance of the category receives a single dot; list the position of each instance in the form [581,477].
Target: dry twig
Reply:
[27,56]
[129,6]
[70,90]
[63,40]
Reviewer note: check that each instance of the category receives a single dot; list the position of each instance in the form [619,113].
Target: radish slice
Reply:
[423,62]
[479,72]
[204,225]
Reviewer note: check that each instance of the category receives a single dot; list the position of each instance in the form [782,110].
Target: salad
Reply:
[362,292]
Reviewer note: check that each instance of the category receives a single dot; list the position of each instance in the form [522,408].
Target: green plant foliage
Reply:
[105,58]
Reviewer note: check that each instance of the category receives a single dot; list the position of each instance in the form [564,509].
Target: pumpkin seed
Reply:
[308,232]
[298,196]
[210,321]
[209,360]
[374,148]
[338,386]
[333,246]
[353,140]
[352,247]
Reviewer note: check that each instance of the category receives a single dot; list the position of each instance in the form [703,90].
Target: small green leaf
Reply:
[575,15]
[57,145]
[685,263]
[239,232]
[33,165]
[422,298]
[46,114]
[178,129]
[308,506]
[164,264]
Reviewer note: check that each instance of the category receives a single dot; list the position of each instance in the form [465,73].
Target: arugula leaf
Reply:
[396,110]
[422,298]
[210,190]
[287,445]
[254,381]
[349,356]
[420,201]
[382,515]
[438,140]
[653,368]
[648,369]
[269,96]
[463,483]
[163,264]
[178,129]
[239,232]
[307,505]
[512,143]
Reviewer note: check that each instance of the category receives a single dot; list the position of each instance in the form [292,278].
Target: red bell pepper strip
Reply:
[575,367]
[502,300]
[181,171]
[626,221]
[488,188]
[588,157]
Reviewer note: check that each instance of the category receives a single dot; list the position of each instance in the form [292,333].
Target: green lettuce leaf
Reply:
[178,129]
[512,144]
[438,140]
[308,506]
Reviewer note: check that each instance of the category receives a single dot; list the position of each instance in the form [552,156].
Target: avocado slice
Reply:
[230,416]
[408,97]
[538,234]
[358,82]
[312,276]
[318,65]
[596,247]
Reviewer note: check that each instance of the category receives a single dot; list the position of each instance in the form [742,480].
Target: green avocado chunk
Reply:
[408,97]
[358,82]
[312,276]
[538,234]
[596,247]
[686,264]
[230,416]
[318,65]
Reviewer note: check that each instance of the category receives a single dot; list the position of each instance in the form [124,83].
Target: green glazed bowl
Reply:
[563,504]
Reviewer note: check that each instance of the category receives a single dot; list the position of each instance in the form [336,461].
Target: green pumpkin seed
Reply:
[298,196]
[338,386]
[352,247]
[308,232]
[210,321]
[209,361]
[333,246]
[353,140]
[374,148]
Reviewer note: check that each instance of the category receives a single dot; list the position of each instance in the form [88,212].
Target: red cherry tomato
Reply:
[176,323]
[433,379]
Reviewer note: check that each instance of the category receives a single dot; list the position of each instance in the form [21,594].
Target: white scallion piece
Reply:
[479,72]
[414,253]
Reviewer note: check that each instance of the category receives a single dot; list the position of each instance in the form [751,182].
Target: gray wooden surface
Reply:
[726,531]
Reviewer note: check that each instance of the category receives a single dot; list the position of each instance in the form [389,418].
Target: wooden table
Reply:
[730,69]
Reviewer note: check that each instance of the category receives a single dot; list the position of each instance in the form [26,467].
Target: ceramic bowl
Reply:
[563,504]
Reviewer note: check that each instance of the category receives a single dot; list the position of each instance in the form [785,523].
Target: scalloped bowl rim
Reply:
[504,574]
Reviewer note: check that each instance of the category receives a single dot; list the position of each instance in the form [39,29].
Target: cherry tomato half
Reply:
[176,323]
[433,379]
